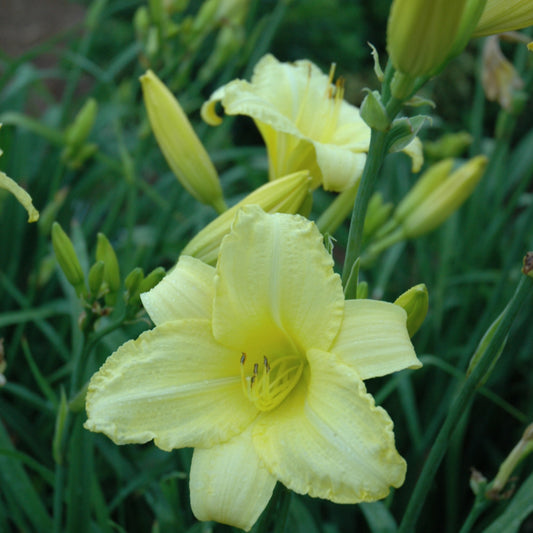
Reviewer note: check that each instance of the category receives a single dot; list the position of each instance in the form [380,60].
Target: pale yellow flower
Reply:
[258,364]
[303,119]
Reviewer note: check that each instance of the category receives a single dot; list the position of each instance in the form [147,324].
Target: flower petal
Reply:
[186,292]
[174,384]
[328,439]
[340,168]
[229,483]
[275,288]
[373,339]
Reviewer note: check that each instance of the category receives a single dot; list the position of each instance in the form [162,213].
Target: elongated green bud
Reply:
[152,279]
[284,195]
[79,130]
[428,182]
[377,213]
[337,212]
[96,278]
[133,280]
[106,254]
[180,145]
[373,112]
[415,301]
[67,258]
[21,195]
[437,206]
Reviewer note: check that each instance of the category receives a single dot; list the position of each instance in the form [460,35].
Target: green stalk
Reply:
[376,154]
[462,399]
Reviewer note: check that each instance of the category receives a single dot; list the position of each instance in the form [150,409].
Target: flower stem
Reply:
[463,397]
[376,153]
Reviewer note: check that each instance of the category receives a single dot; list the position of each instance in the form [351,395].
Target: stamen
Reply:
[270,383]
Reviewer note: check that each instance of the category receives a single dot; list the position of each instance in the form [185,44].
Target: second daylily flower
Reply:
[258,364]
[304,121]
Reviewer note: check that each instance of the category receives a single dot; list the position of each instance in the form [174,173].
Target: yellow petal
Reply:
[186,292]
[416,152]
[21,195]
[504,15]
[229,484]
[174,384]
[328,439]
[275,285]
[340,168]
[373,339]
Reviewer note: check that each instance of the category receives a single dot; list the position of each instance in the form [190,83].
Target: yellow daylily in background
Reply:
[303,119]
[504,15]
[259,365]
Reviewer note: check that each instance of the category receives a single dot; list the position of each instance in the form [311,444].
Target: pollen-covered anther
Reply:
[267,384]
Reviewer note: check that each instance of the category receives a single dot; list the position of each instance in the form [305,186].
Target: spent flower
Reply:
[258,364]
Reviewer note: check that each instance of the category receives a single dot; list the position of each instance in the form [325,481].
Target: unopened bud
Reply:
[67,258]
[179,143]
[133,281]
[79,130]
[449,145]
[96,278]
[152,279]
[106,254]
[436,207]
[420,34]
[373,112]
[415,301]
[377,213]
[283,195]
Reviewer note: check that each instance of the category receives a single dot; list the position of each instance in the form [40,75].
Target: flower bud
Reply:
[96,278]
[106,254]
[133,281]
[152,279]
[433,209]
[67,258]
[428,182]
[415,301]
[449,145]
[284,195]
[377,213]
[337,211]
[179,143]
[79,130]
[420,34]
[373,112]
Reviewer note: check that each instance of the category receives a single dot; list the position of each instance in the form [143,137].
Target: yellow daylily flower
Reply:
[504,15]
[259,365]
[303,119]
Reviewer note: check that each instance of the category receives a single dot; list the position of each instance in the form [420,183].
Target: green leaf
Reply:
[378,517]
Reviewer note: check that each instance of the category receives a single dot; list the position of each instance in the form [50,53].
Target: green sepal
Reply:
[403,131]
[373,111]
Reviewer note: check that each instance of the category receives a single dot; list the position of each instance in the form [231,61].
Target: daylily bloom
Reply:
[259,365]
[303,119]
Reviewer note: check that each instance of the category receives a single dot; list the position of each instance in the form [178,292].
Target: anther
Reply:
[256,369]
[243,358]
[265,362]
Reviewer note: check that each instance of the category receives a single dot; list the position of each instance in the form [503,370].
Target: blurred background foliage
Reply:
[113,180]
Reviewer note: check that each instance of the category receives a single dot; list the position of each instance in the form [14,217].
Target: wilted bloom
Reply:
[500,78]
[258,364]
[180,145]
[303,119]
[285,195]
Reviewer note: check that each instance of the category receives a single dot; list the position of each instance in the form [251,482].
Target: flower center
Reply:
[268,383]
